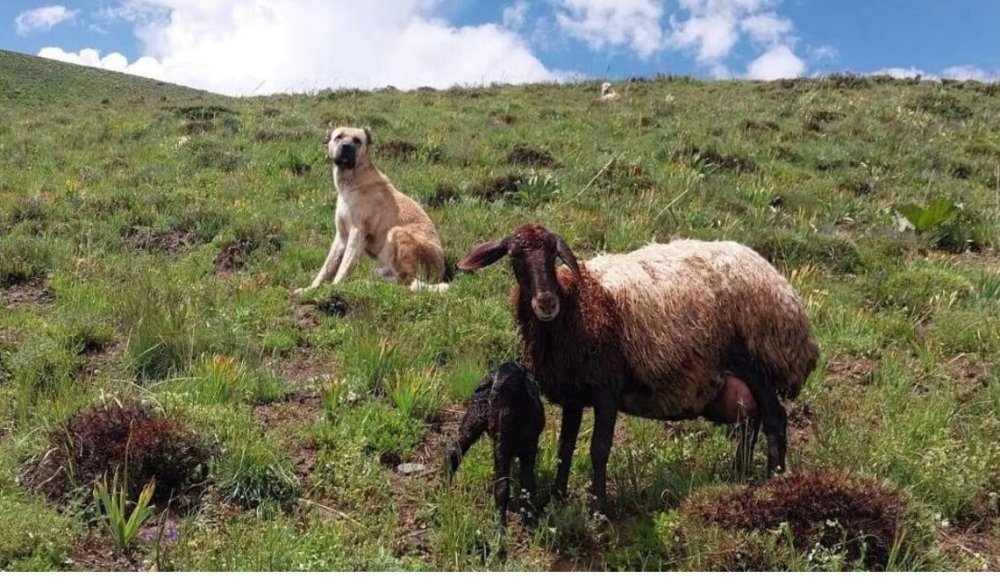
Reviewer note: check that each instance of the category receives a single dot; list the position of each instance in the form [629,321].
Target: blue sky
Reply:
[264,46]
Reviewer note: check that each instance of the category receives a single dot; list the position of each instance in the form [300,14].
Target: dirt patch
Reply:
[100,440]
[496,188]
[307,315]
[828,507]
[413,536]
[726,162]
[972,375]
[99,361]
[233,256]
[758,127]
[624,176]
[31,294]
[443,194]
[817,120]
[523,154]
[802,428]
[95,552]
[852,371]
[972,550]
[301,406]
[398,149]
[304,367]
[169,241]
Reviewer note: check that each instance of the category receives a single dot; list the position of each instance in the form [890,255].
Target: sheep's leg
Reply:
[527,477]
[605,416]
[501,481]
[569,430]
[473,425]
[775,422]
[747,432]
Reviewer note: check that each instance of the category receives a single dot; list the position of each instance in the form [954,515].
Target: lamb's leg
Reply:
[747,431]
[569,430]
[527,477]
[775,422]
[473,426]
[605,415]
[501,480]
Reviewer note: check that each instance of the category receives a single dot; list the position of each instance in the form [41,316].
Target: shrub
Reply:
[127,438]
[862,521]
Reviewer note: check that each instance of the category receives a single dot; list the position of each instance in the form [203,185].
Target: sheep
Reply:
[608,93]
[667,332]
[507,405]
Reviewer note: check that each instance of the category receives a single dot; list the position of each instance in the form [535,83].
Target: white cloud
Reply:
[633,24]
[714,28]
[145,66]
[900,72]
[515,15]
[961,72]
[43,18]
[824,53]
[267,46]
[767,28]
[778,62]
[966,72]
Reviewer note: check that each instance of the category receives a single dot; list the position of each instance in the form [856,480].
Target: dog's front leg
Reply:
[352,254]
[331,264]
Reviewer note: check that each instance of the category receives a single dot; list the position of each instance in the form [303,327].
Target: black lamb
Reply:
[507,405]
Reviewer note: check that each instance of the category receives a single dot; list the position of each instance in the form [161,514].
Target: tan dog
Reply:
[374,218]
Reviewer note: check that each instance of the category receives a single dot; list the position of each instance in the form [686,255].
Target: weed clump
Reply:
[170,241]
[623,176]
[859,520]
[699,156]
[523,154]
[442,195]
[496,188]
[128,438]
[398,149]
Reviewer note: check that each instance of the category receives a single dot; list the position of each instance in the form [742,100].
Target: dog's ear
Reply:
[483,254]
[368,137]
[329,133]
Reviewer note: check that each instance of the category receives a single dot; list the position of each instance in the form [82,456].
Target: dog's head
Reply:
[348,146]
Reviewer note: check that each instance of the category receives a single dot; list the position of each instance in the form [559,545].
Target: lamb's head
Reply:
[532,250]
[605,88]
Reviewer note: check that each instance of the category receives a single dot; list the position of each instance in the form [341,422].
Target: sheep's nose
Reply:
[546,306]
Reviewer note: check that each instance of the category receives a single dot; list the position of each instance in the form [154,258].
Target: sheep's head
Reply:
[532,250]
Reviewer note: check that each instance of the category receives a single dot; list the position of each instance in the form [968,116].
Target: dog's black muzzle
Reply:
[345,157]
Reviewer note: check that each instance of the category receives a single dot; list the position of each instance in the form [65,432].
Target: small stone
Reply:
[410,468]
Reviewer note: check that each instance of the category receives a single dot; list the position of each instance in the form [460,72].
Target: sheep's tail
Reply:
[790,371]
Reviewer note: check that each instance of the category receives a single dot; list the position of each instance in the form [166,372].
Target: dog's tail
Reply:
[418,285]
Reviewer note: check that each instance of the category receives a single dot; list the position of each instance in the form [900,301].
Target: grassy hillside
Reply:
[150,238]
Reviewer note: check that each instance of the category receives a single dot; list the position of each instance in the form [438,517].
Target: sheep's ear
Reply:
[562,249]
[483,254]
[368,137]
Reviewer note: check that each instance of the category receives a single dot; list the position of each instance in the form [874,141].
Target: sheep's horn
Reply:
[564,252]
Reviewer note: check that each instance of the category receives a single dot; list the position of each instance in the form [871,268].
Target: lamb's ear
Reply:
[483,254]
[562,249]
[368,137]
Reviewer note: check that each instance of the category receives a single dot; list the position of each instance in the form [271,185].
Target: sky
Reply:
[250,47]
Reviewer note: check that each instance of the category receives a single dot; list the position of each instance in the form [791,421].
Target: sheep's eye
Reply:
[356,140]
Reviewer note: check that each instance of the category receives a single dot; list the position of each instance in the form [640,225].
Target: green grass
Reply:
[151,235]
